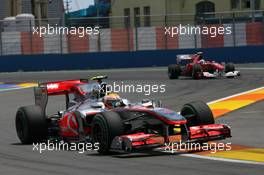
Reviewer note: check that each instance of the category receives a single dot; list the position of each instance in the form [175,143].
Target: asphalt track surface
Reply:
[247,126]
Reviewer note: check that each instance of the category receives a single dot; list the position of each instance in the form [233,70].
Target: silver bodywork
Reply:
[89,106]
[93,106]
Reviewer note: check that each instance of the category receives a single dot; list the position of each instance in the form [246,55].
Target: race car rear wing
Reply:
[179,58]
[55,88]
[41,97]
[62,87]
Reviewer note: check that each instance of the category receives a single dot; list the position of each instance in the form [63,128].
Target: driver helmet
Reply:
[112,100]
[202,61]
[200,54]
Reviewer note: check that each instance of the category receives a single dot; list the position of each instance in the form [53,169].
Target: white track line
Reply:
[252,112]
[235,95]
[214,158]
[223,159]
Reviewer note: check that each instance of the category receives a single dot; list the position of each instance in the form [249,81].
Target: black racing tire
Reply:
[229,67]
[105,127]
[197,113]
[31,124]
[174,71]
[197,72]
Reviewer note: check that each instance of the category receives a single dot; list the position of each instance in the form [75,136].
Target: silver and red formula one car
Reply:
[196,67]
[116,124]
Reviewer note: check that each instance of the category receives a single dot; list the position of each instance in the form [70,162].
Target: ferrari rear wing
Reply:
[184,57]
[179,58]
[44,90]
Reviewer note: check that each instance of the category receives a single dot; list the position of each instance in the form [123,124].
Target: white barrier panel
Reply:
[53,44]
[134,40]
[198,38]
[228,39]
[240,34]
[186,41]
[64,44]
[93,43]
[11,43]
[146,38]
[192,40]
[105,39]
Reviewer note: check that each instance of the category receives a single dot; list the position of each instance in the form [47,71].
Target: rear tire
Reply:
[174,71]
[31,124]
[197,72]
[229,67]
[197,113]
[105,127]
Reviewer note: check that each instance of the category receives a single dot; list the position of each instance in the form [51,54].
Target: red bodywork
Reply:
[64,87]
[69,126]
[207,66]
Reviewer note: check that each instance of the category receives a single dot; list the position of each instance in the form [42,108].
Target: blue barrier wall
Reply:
[124,59]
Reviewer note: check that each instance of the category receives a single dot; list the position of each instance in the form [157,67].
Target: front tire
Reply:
[197,72]
[31,124]
[174,71]
[197,113]
[229,67]
[105,126]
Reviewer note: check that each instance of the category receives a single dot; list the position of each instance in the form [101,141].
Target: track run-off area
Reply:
[237,102]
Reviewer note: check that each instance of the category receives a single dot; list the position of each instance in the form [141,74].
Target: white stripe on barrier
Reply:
[64,43]
[93,43]
[240,34]
[223,159]
[55,44]
[228,38]
[134,40]
[146,37]
[198,38]
[105,40]
[186,41]
[11,43]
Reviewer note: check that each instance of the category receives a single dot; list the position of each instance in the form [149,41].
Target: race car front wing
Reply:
[142,141]
[221,74]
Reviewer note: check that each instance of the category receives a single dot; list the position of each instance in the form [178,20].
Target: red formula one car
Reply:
[122,127]
[196,67]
